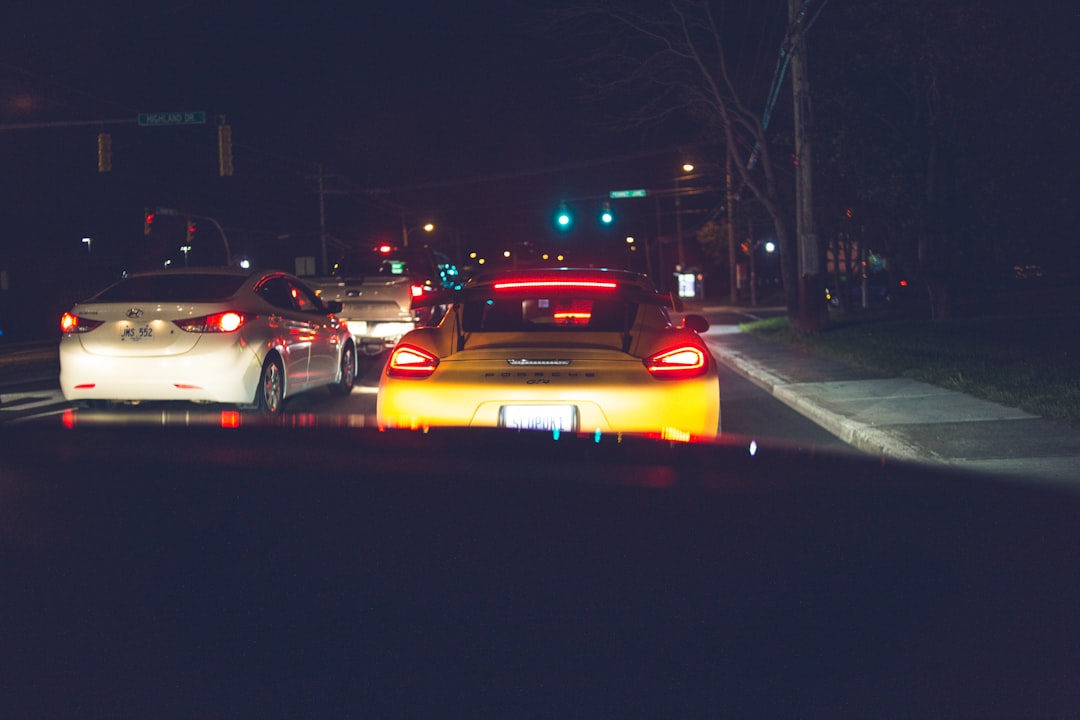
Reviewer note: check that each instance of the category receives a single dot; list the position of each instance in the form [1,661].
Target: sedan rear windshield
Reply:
[548,314]
[364,264]
[172,288]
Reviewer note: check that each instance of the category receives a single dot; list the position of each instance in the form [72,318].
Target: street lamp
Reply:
[87,241]
[405,230]
[185,249]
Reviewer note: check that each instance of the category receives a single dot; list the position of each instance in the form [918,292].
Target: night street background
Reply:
[483,118]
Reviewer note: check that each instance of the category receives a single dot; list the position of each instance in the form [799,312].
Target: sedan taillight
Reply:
[409,361]
[222,322]
[72,324]
[678,363]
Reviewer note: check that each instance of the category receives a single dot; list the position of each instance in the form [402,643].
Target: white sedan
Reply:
[246,337]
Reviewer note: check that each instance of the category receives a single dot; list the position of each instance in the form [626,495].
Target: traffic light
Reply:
[563,219]
[104,152]
[606,216]
[148,221]
[190,232]
[224,142]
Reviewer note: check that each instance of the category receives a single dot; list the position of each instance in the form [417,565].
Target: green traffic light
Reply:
[563,219]
[606,216]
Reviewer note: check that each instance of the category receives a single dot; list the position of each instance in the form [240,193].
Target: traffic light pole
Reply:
[148,220]
[221,231]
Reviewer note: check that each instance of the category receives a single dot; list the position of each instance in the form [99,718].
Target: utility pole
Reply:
[325,267]
[813,313]
[661,275]
[732,274]
[680,265]
[753,260]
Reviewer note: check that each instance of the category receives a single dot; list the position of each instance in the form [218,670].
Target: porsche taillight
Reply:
[72,324]
[409,361]
[222,322]
[678,363]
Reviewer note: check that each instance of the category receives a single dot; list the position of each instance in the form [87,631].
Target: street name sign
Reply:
[172,118]
[616,194]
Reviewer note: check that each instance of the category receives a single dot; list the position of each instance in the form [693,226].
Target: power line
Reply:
[496,177]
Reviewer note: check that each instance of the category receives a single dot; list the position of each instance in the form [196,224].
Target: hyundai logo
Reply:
[134,313]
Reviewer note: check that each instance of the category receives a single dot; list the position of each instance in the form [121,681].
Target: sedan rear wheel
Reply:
[347,379]
[270,393]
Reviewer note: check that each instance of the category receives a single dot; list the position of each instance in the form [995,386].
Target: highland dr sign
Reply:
[172,118]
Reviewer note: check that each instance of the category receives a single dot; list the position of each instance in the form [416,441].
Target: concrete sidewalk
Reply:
[901,418]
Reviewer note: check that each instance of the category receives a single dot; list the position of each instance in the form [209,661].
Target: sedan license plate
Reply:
[539,417]
[141,332]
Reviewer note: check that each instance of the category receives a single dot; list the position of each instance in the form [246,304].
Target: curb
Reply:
[859,435]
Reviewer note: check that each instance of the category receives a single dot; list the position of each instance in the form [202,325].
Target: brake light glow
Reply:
[677,363]
[222,322]
[409,361]
[555,284]
[72,324]
[571,318]
[417,290]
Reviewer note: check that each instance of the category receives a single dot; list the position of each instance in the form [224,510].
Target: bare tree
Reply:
[673,56]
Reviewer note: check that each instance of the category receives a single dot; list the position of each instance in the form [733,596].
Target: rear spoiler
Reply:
[454,297]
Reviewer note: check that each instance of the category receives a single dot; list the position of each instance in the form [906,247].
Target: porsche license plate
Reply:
[539,417]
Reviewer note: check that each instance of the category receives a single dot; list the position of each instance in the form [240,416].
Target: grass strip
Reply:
[1026,361]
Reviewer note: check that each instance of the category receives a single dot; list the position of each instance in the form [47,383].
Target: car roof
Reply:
[209,270]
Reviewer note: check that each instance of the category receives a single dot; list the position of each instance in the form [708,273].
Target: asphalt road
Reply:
[29,392]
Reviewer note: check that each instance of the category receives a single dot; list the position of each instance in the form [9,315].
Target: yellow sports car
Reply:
[559,350]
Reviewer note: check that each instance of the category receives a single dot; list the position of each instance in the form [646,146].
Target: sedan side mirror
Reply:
[695,322]
[333,307]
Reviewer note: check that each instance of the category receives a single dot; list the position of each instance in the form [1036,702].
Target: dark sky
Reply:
[466,113]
